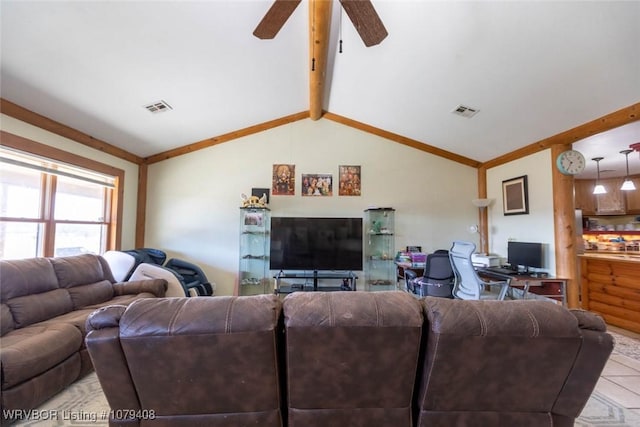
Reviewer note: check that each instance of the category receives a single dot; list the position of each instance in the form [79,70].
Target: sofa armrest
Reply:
[594,351]
[588,320]
[157,287]
[109,361]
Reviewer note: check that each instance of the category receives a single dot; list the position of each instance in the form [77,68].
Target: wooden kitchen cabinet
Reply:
[614,201]
[583,196]
[633,197]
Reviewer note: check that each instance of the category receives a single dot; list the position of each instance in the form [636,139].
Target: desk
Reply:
[417,267]
[549,287]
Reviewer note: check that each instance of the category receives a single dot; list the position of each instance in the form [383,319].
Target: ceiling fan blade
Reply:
[275,18]
[366,20]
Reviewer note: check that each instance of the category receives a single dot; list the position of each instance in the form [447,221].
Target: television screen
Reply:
[525,254]
[299,243]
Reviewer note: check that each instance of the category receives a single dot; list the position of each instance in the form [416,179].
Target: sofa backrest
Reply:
[37,289]
[30,291]
[495,362]
[87,278]
[351,358]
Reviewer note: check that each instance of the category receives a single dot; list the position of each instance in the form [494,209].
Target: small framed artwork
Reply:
[260,192]
[515,197]
[283,181]
[253,218]
[317,185]
[349,180]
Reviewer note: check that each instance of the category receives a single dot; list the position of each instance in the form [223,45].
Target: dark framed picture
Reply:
[260,192]
[515,197]
[317,185]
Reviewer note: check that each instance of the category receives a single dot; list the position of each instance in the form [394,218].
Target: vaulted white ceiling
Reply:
[532,68]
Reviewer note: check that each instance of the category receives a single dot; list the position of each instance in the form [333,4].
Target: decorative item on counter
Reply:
[254,201]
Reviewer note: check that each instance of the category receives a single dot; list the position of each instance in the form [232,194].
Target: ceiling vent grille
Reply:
[464,111]
[158,107]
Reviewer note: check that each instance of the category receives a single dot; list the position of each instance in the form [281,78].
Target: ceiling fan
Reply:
[361,13]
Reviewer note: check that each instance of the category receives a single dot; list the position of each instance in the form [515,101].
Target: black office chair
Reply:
[438,277]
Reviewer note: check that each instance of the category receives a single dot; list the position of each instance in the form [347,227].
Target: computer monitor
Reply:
[525,254]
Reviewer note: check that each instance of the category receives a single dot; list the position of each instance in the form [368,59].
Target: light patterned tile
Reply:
[630,382]
[618,393]
[613,367]
[627,361]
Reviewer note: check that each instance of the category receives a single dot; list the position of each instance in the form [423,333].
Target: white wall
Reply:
[538,225]
[25,130]
[193,200]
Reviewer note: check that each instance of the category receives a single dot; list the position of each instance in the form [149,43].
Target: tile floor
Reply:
[620,380]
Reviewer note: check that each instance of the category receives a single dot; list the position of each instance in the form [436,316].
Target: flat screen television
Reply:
[525,254]
[308,243]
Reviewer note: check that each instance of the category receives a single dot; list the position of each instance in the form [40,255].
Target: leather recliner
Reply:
[189,361]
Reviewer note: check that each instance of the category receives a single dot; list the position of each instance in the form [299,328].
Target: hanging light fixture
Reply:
[627,185]
[599,188]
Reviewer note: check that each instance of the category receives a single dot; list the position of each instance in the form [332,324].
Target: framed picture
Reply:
[317,185]
[350,183]
[515,198]
[260,192]
[283,181]
[253,218]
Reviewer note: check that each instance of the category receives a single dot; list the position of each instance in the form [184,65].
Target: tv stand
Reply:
[347,279]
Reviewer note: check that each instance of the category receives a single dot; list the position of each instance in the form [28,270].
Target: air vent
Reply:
[464,111]
[158,107]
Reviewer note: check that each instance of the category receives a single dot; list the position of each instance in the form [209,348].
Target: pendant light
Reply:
[627,185]
[599,188]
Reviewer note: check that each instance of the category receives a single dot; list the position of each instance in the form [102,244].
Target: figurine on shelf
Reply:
[254,201]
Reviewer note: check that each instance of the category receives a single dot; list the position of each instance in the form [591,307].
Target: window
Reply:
[59,206]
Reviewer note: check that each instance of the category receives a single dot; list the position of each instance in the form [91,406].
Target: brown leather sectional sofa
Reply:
[45,303]
[351,359]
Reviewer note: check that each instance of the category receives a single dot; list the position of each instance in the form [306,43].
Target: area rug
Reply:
[84,405]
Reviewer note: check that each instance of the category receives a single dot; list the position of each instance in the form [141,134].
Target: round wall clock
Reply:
[570,162]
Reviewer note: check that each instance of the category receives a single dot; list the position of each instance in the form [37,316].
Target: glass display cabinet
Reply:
[379,249]
[253,278]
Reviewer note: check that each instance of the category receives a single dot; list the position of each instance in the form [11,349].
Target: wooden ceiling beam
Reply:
[402,140]
[319,32]
[613,120]
[35,119]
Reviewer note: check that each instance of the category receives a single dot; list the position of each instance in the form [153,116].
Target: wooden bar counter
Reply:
[611,288]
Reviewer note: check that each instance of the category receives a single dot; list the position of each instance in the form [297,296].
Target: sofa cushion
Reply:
[31,309]
[25,277]
[78,270]
[6,320]
[77,318]
[30,351]
[89,294]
